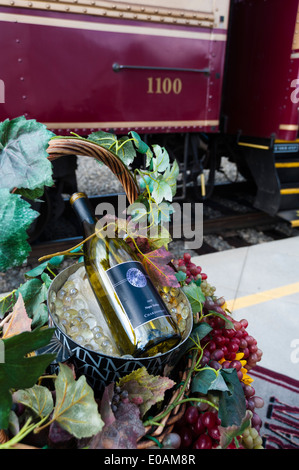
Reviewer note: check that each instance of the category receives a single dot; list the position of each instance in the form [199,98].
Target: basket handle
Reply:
[60,147]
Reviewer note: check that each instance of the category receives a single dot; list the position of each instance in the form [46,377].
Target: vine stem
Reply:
[26,429]
[178,399]
[68,252]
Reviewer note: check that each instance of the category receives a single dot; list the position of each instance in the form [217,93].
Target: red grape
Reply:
[203,442]
[185,434]
[191,414]
[209,419]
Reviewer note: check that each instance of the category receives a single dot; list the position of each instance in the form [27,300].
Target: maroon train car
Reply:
[260,100]
[86,65]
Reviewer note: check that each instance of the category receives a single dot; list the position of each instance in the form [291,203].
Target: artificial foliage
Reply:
[39,409]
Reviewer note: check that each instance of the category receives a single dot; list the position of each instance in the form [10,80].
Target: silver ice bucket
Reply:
[101,369]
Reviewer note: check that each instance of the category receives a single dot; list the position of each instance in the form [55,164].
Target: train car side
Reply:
[121,67]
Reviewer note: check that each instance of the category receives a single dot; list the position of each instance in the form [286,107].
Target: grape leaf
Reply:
[76,410]
[161,159]
[24,162]
[122,147]
[160,212]
[142,147]
[156,264]
[34,293]
[207,379]
[144,389]
[122,432]
[161,190]
[232,404]
[195,296]
[18,371]
[158,237]
[171,175]
[16,216]
[38,398]
[19,320]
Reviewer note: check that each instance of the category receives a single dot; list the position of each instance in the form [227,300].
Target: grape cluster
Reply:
[119,396]
[253,402]
[199,427]
[193,272]
[251,439]
[198,430]
[225,343]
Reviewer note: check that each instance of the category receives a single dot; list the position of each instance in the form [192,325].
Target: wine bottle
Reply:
[139,320]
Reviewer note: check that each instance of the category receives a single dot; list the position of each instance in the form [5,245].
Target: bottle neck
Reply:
[84,211]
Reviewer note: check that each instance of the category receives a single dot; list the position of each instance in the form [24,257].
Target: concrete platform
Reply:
[261,284]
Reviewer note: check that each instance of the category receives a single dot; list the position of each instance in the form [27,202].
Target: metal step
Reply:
[287,169]
[291,216]
[289,193]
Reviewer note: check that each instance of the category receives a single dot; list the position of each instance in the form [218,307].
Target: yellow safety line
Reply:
[265,296]
[255,146]
[289,191]
[287,165]
[279,141]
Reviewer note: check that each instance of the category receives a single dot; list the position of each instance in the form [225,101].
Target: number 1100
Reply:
[165,85]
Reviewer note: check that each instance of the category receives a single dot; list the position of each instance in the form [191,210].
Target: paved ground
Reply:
[261,284]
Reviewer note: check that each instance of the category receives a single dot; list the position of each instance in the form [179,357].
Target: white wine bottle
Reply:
[139,320]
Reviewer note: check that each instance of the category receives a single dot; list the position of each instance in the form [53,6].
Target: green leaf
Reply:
[141,146]
[122,147]
[30,193]
[7,302]
[161,190]
[228,323]
[195,296]
[34,293]
[24,162]
[232,404]
[203,380]
[160,212]
[46,280]
[16,216]
[125,150]
[161,159]
[76,409]
[18,371]
[181,276]
[38,398]
[171,175]
[37,271]
[200,331]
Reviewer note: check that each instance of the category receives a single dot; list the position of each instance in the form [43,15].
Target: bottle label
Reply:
[136,293]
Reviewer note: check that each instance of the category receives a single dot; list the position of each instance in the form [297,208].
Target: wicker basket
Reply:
[59,147]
